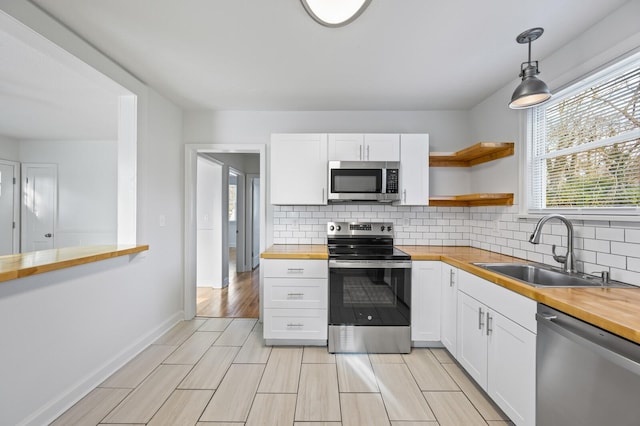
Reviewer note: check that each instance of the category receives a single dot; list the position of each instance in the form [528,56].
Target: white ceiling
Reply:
[270,55]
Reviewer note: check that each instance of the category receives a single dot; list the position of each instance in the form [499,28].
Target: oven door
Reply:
[369,292]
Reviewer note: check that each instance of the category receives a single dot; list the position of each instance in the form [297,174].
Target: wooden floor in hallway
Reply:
[240,299]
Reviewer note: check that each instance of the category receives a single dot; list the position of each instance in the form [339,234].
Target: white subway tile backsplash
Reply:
[612,260]
[626,276]
[602,246]
[599,245]
[632,235]
[633,264]
[611,234]
[626,249]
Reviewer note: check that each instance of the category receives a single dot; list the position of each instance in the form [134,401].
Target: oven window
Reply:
[356,181]
[369,296]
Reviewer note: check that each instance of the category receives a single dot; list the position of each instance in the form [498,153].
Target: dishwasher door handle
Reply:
[549,322]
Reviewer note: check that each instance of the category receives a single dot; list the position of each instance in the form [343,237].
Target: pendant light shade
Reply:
[532,91]
[335,13]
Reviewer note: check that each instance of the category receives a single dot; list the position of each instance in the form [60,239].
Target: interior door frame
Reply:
[190,249]
[17,190]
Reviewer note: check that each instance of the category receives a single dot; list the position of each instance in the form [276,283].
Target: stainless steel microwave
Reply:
[364,181]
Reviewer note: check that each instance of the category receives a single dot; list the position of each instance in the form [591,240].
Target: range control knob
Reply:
[331,228]
[382,228]
[389,228]
[338,227]
[369,317]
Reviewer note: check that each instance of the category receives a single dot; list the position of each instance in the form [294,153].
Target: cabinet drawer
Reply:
[296,293]
[512,305]
[296,268]
[307,324]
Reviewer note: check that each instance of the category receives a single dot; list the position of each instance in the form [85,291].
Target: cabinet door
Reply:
[381,147]
[512,368]
[414,169]
[425,301]
[449,318]
[298,169]
[472,341]
[346,147]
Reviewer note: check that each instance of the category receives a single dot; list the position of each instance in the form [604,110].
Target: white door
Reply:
[255,222]
[346,147]
[8,207]
[39,206]
[425,301]
[414,169]
[448,327]
[472,342]
[299,169]
[512,368]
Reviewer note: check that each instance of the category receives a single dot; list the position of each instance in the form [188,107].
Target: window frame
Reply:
[574,87]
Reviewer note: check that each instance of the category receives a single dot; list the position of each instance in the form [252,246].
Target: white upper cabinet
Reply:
[298,169]
[364,147]
[381,147]
[346,146]
[414,169]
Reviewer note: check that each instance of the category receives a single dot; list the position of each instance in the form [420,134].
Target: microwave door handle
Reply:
[383,189]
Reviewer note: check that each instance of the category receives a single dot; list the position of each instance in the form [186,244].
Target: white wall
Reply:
[9,148]
[64,332]
[87,188]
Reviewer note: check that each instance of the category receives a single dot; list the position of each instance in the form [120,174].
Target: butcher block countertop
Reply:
[23,265]
[614,309]
[296,251]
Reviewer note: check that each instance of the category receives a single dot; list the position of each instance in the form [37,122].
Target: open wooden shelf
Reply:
[472,200]
[481,152]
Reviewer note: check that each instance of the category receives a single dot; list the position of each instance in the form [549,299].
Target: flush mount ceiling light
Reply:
[531,91]
[335,13]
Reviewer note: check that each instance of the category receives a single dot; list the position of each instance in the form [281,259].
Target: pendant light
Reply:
[532,91]
[335,13]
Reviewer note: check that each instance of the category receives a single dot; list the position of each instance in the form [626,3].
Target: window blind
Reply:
[584,146]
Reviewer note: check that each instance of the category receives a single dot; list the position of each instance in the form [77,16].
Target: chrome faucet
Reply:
[568,260]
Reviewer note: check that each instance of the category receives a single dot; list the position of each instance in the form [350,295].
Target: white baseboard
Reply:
[67,398]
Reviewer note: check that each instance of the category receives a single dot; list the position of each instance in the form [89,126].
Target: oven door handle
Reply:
[369,264]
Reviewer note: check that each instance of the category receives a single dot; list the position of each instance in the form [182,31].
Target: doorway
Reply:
[241,297]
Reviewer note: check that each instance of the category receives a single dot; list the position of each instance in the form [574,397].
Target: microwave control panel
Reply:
[392,181]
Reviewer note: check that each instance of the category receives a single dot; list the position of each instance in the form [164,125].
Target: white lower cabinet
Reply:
[425,302]
[295,301]
[496,350]
[449,315]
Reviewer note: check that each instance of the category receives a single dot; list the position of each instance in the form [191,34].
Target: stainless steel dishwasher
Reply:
[584,375]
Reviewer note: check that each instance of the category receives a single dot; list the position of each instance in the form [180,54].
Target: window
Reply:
[584,145]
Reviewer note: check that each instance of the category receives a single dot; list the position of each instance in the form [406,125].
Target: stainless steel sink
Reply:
[539,275]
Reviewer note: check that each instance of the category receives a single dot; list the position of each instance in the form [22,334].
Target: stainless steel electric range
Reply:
[369,289]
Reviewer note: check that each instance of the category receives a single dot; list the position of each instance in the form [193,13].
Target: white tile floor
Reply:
[215,372]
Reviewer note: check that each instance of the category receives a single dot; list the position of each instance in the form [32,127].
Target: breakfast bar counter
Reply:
[37,262]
